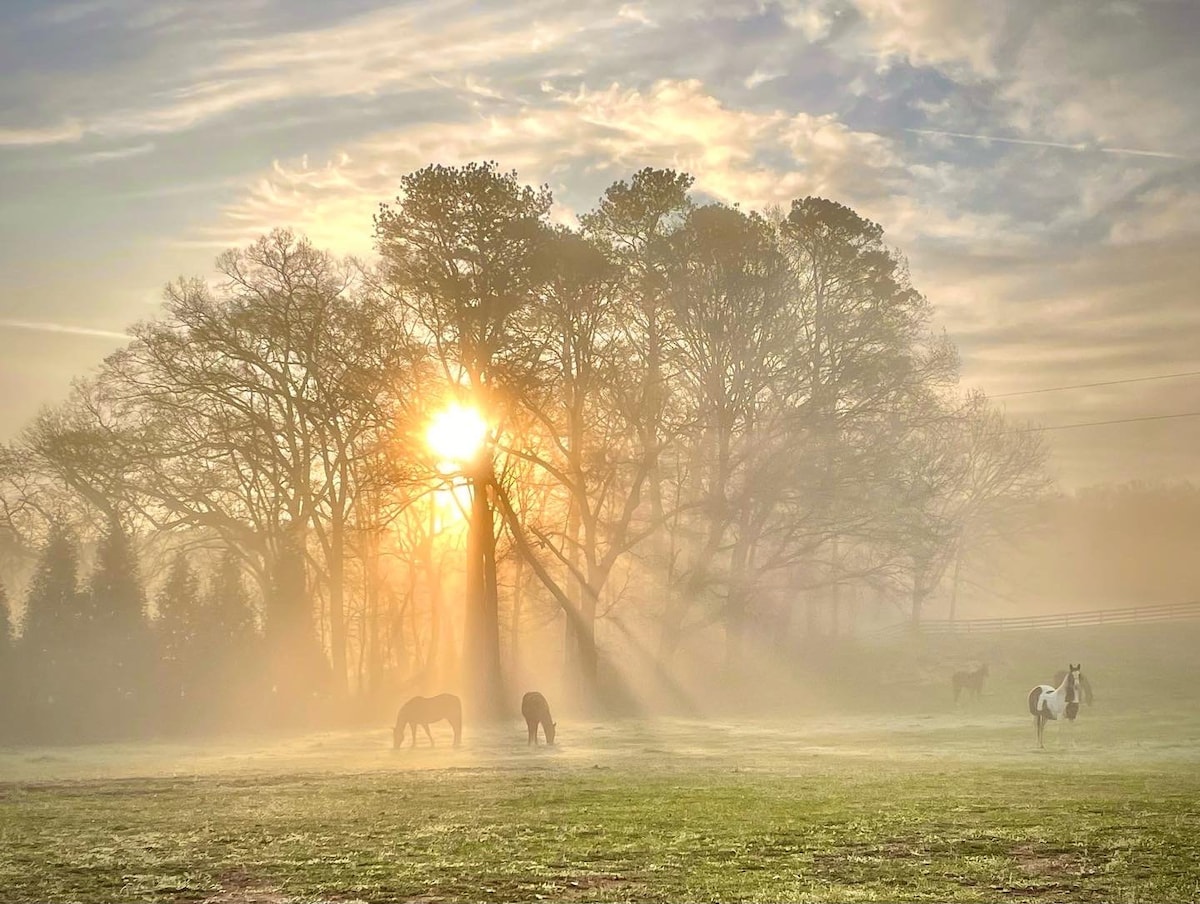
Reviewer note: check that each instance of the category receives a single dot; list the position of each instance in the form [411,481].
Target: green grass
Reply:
[912,805]
[912,809]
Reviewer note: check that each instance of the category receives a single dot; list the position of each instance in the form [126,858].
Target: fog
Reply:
[678,460]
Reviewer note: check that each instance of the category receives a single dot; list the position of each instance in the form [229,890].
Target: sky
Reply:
[1036,161]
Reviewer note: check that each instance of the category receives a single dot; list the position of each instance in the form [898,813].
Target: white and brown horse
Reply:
[1048,703]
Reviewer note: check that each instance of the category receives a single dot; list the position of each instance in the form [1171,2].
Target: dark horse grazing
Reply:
[1048,703]
[536,711]
[423,710]
[971,682]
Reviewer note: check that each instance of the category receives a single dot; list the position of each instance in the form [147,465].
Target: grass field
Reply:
[942,805]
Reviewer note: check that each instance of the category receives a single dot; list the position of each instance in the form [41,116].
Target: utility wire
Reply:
[1125,420]
[1005,395]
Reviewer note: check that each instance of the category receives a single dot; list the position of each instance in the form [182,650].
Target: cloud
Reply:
[122,153]
[962,36]
[384,51]
[41,326]
[586,136]
[64,133]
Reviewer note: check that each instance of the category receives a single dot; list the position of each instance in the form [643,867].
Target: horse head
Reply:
[1073,682]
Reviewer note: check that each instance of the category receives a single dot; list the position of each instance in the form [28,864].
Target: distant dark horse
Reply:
[1048,703]
[536,711]
[423,710]
[971,682]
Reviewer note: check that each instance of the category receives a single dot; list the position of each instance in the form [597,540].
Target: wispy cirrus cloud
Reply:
[383,51]
[42,326]
[67,132]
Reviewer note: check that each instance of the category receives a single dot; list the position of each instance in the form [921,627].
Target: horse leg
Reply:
[413,726]
[428,734]
[531,728]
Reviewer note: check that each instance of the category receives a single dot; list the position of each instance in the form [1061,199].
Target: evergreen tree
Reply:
[119,638]
[52,640]
[54,614]
[298,669]
[232,615]
[177,631]
[237,673]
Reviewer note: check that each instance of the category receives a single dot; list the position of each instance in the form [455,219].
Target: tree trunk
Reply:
[337,603]
[954,582]
[919,593]
[481,648]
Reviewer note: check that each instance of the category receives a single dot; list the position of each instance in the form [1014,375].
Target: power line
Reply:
[1005,395]
[1125,420]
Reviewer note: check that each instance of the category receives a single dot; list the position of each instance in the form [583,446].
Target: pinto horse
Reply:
[971,682]
[423,710]
[1048,703]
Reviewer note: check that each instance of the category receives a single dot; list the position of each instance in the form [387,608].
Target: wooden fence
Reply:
[1167,612]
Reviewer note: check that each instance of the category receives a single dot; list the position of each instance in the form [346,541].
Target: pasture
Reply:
[942,804]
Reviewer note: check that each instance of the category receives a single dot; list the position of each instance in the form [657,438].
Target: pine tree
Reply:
[52,642]
[54,611]
[118,635]
[178,638]
[237,677]
[232,614]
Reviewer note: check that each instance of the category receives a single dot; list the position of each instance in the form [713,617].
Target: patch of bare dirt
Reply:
[241,888]
[1035,861]
[580,886]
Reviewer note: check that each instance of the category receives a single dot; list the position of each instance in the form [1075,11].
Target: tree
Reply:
[728,291]
[118,636]
[179,638]
[53,638]
[8,671]
[460,251]
[577,433]
[966,477]
[864,361]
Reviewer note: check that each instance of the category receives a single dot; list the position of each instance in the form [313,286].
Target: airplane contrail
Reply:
[46,327]
[1136,152]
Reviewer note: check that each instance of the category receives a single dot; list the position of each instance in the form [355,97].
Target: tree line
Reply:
[708,429]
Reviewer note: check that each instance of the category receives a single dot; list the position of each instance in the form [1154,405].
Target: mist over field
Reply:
[744,452]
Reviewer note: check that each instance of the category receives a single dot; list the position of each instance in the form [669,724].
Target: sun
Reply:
[456,434]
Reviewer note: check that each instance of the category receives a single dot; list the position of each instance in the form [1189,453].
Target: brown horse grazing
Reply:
[971,682]
[423,710]
[536,711]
